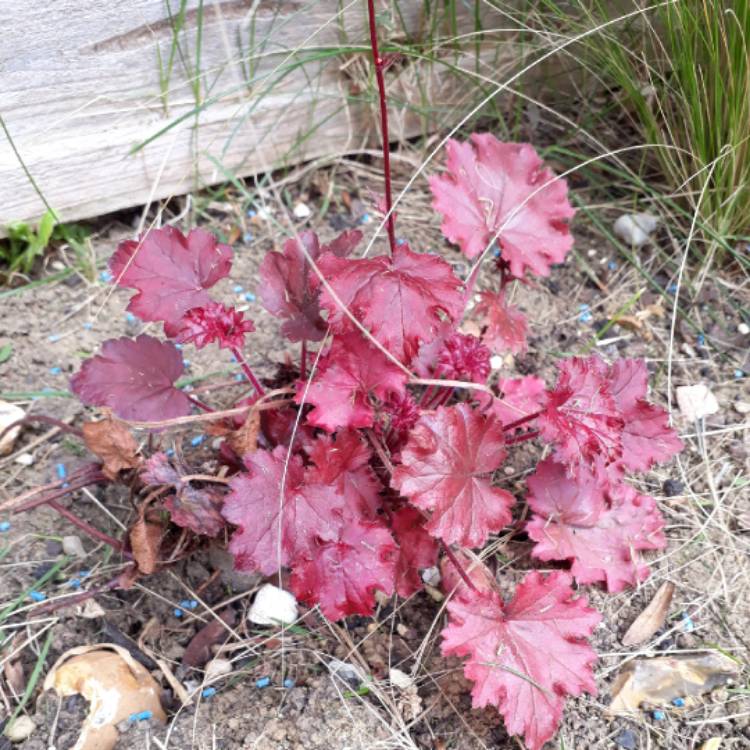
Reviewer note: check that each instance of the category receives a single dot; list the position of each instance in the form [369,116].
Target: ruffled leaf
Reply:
[581,417]
[348,376]
[398,299]
[504,325]
[647,438]
[492,187]
[343,574]
[598,525]
[446,467]
[288,288]
[527,656]
[171,272]
[417,549]
[275,528]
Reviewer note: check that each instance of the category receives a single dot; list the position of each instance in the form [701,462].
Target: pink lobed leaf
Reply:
[289,287]
[446,467]
[505,325]
[527,656]
[343,574]
[647,438]
[599,525]
[275,529]
[343,461]
[135,378]
[348,376]
[492,187]
[581,417]
[520,397]
[398,299]
[171,272]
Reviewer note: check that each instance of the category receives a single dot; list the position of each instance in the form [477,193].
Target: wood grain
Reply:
[80,89]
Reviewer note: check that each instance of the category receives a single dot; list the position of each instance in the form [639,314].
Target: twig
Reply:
[379,66]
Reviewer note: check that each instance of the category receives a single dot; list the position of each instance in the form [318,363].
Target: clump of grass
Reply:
[681,73]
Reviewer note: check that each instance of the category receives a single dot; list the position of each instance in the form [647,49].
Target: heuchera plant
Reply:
[383,455]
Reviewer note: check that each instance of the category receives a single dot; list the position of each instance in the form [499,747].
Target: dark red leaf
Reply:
[134,378]
[581,416]
[348,376]
[196,509]
[505,325]
[492,187]
[417,549]
[214,323]
[343,462]
[446,467]
[527,656]
[463,357]
[600,526]
[171,272]
[289,287]
[398,299]
[343,574]
[275,528]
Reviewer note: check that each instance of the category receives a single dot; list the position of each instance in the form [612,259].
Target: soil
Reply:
[704,496]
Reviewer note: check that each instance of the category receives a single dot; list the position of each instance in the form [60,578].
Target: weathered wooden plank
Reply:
[241,85]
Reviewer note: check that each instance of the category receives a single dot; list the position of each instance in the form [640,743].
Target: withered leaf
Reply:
[113,442]
[652,618]
[245,439]
[198,651]
[145,540]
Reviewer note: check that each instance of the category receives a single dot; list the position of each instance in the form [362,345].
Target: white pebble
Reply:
[431,576]
[496,362]
[272,606]
[301,210]
[72,545]
[218,667]
[25,459]
[634,229]
[696,401]
[743,328]
[400,679]
[20,729]
[742,407]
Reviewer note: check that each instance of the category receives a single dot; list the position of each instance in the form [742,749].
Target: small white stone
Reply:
[273,606]
[301,210]
[400,679]
[696,401]
[218,667]
[496,362]
[742,407]
[9,413]
[25,459]
[743,328]
[72,545]
[634,229]
[431,576]
[20,729]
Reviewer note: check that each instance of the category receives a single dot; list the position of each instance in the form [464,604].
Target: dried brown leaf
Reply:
[652,618]
[113,442]
[198,651]
[145,540]
[658,681]
[245,439]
